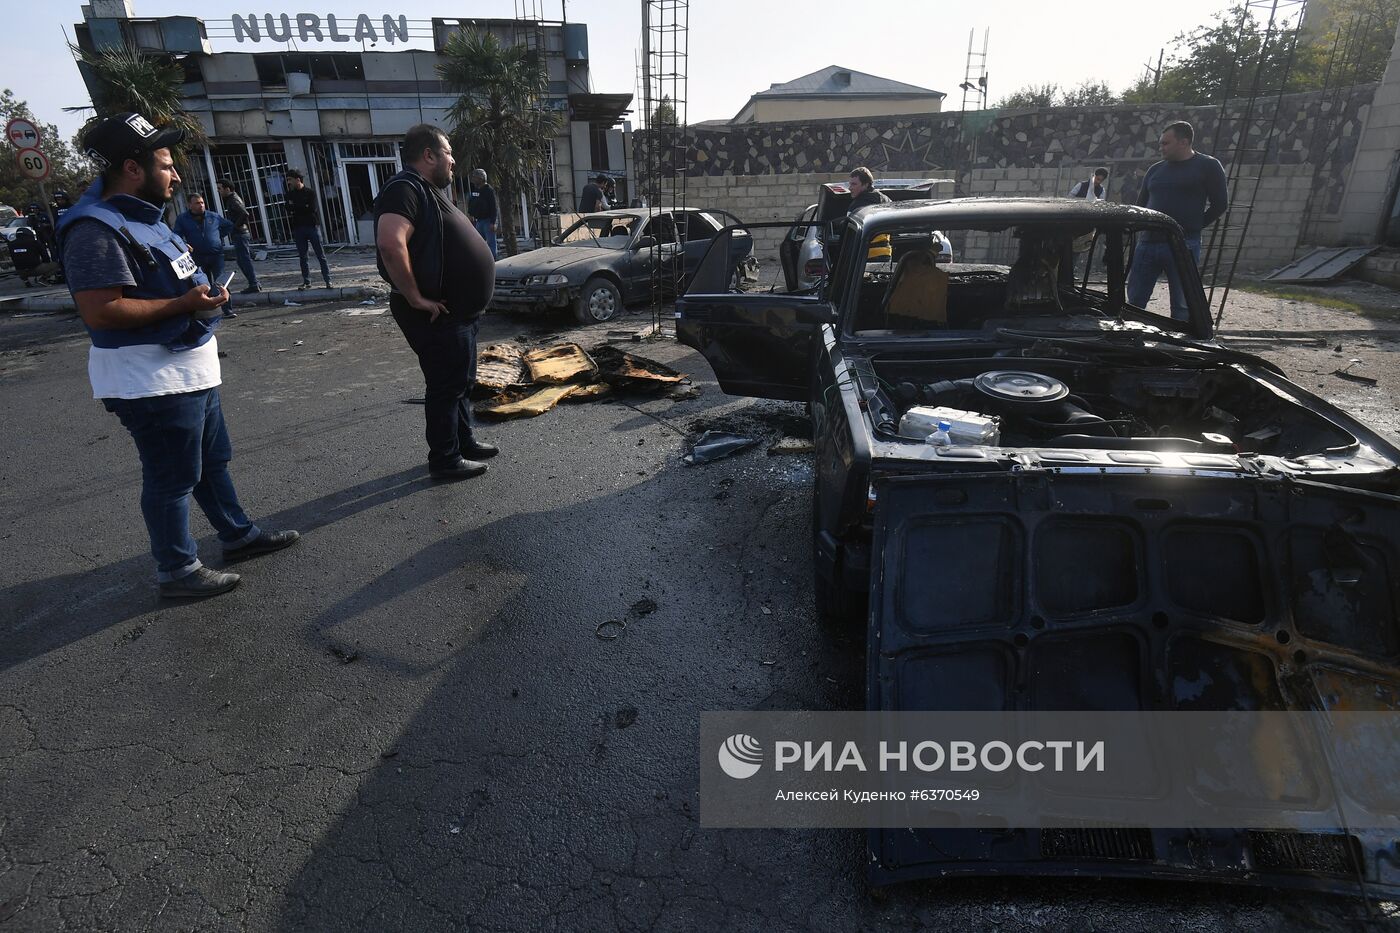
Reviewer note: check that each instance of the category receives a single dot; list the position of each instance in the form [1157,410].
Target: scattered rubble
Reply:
[715,445]
[524,383]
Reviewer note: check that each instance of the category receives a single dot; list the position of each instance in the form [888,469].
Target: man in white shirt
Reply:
[1095,189]
[154,362]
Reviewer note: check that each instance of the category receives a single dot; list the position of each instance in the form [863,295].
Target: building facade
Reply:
[333,99]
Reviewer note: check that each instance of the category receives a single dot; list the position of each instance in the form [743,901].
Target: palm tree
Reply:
[499,120]
[131,80]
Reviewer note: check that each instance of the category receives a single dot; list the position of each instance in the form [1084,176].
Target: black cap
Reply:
[126,136]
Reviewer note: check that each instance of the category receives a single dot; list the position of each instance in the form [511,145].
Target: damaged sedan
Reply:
[607,261]
[1039,496]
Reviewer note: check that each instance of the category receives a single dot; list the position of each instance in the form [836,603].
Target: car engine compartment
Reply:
[1057,403]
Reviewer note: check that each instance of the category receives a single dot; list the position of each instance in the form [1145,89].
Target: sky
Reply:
[736,47]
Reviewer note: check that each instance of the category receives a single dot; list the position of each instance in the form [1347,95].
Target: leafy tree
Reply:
[499,121]
[128,79]
[71,171]
[1088,93]
[1030,97]
[1357,35]
[665,113]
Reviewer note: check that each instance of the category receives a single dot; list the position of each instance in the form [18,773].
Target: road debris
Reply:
[501,366]
[791,445]
[524,383]
[625,717]
[610,629]
[1344,373]
[560,364]
[524,403]
[715,445]
[644,606]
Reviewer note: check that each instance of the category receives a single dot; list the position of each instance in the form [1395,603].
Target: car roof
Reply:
[643,211]
[954,212]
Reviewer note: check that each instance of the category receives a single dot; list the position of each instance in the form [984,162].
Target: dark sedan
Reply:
[608,260]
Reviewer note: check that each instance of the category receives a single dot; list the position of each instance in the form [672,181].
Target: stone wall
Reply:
[758,170]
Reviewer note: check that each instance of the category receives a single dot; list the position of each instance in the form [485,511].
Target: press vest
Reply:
[154,250]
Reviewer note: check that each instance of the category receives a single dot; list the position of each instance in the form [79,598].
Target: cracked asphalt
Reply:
[409,721]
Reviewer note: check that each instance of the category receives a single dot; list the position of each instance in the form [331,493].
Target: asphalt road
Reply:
[409,721]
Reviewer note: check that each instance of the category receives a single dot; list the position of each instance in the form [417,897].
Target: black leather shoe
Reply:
[462,468]
[203,582]
[250,290]
[479,450]
[264,543]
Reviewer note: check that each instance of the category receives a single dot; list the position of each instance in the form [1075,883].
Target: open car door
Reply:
[758,343]
[1130,592]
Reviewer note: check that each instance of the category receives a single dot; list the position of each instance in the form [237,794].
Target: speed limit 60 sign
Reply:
[33,164]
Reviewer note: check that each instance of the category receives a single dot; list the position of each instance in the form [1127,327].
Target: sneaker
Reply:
[203,582]
[250,290]
[265,543]
[303,286]
[461,468]
[328,284]
[230,314]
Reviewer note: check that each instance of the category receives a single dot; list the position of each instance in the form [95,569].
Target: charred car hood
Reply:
[1134,592]
[551,259]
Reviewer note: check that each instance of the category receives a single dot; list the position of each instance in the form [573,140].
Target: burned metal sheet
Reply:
[501,366]
[1135,592]
[523,403]
[1321,265]
[620,367]
[560,364]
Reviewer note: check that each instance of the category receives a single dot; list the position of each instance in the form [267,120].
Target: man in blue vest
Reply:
[154,361]
[204,231]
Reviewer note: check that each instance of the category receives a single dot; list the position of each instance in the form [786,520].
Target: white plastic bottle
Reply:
[941,437]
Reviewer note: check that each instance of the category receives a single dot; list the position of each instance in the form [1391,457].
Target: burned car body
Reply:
[1129,516]
[605,261]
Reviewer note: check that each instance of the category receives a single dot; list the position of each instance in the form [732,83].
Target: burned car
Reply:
[1039,497]
[605,261]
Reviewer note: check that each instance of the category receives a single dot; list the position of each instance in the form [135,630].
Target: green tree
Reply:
[1030,97]
[1088,93]
[665,113]
[71,171]
[1355,36]
[500,120]
[128,79]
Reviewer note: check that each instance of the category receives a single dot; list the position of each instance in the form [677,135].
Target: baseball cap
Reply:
[126,136]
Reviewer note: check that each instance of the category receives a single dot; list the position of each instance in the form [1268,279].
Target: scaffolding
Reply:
[1284,24]
[664,63]
[541,201]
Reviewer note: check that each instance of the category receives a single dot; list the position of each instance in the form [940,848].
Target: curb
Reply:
[236,301]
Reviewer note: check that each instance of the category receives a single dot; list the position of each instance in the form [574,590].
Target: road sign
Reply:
[33,164]
[22,134]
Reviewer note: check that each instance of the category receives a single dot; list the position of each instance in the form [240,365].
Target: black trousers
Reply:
[446,351]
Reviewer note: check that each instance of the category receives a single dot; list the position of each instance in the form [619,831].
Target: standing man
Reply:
[1095,189]
[442,274]
[237,214]
[301,206]
[154,361]
[204,231]
[863,194]
[592,199]
[1189,187]
[481,208]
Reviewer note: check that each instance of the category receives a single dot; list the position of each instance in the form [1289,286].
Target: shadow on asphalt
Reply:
[73,606]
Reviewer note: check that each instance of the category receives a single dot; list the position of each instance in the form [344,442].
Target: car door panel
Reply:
[758,345]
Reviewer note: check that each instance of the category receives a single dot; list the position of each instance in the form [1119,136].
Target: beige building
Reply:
[835,92]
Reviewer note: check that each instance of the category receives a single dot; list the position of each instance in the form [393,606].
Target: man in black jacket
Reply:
[237,213]
[442,275]
[482,209]
[301,207]
[863,193]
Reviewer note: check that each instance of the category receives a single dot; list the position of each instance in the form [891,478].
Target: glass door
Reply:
[363,180]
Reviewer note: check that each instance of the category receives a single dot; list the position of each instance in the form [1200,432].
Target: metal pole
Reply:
[257,189]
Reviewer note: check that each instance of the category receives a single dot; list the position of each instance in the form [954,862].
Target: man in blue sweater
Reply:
[1189,187]
[204,231]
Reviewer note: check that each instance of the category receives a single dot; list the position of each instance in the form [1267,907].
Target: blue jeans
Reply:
[212,264]
[244,256]
[1150,259]
[185,450]
[303,236]
[483,227]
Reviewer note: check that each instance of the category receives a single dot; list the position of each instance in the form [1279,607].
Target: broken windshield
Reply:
[610,231]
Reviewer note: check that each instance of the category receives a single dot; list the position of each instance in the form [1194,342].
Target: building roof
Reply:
[836,81]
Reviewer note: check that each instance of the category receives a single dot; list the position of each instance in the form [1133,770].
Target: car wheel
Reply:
[598,302]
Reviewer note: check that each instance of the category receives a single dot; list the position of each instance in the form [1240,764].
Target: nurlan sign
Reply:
[305,27]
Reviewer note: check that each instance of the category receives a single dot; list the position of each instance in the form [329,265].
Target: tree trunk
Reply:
[505,212]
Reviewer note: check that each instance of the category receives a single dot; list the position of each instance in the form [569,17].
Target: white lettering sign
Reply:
[308,27]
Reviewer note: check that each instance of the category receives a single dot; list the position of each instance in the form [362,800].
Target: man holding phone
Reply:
[154,361]
[204,231]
